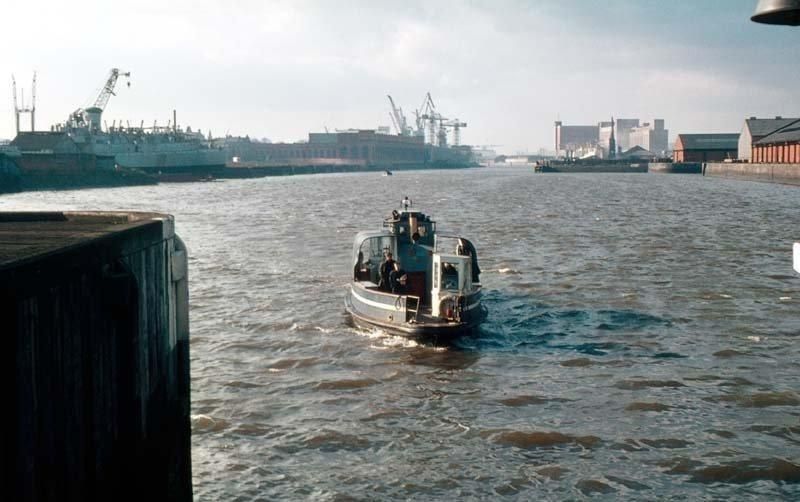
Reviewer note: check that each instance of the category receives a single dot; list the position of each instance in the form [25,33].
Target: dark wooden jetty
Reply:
[95,328]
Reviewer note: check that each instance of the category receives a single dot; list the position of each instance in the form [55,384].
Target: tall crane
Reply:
[90,116]
[399,119]
[456,125]
[24,109]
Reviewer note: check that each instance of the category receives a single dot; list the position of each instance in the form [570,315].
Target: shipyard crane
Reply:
[90,116]
[24,109]
[399,119]
[426,114]
[456,125]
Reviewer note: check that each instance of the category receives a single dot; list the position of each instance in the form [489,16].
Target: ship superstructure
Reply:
[168,150]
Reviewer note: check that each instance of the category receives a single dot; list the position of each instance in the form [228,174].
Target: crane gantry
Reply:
[20,108]
[430,124]
[90,116]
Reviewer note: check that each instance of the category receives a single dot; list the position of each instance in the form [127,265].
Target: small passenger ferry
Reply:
[411,280]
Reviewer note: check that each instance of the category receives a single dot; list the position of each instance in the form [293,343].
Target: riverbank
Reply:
[786,174]
[58,179]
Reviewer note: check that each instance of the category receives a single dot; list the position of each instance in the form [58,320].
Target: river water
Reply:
[641,339]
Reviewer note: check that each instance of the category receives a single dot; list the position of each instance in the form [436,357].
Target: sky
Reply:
[508,68]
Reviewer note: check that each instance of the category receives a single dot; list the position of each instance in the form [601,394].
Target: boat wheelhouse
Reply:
[435,288]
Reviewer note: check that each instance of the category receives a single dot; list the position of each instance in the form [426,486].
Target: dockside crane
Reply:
[18,110]
[399,119]
[90,116]
[427,116]
[456,125]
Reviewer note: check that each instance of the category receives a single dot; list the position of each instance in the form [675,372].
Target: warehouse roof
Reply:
[761,127]
[724,141]
[789,134]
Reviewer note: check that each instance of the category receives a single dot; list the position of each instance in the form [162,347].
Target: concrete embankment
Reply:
[788,174]
[94,313]
[675,167]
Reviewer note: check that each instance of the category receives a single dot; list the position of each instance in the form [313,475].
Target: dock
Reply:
[94,310]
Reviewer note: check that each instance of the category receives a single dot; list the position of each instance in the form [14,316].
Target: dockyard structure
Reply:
[705,147]
[781,147]
[44,143]
[571,139]
[637,153]
[755,129]
[581,141]
[651,136]
[363,146]
[358,147]
[624,128]
[605,138]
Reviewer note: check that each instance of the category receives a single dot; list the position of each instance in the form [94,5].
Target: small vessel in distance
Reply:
[433,291]
[387,173]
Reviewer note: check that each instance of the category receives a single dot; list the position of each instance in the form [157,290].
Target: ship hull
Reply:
[370,309]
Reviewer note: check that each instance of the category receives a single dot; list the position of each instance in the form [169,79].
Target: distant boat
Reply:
[435,289]
[387,173]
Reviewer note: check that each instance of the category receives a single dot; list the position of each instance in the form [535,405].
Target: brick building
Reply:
[755,129]
[705,147]
[780,147]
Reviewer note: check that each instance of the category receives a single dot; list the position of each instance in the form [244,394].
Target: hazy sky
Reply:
[280,69]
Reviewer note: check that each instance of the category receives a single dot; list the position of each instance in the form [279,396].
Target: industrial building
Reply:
[354,147]
[574,138]
[780,147]
[755,129]
[705,147]
[580,141]
[650,135]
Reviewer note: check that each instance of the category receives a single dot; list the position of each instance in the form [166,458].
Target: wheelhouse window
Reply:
[449,275]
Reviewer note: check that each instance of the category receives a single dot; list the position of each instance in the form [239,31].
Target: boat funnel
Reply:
[785,12]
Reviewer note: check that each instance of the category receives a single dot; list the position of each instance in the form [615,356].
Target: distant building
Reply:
[605,134]
[780,147]
[705,147]
[623,131]
[572,139]
[650,136]
[637,153]
[581,141]
[755,129]
[352,147]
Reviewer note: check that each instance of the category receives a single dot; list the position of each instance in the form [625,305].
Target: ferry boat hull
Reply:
[432,289]
[372,309]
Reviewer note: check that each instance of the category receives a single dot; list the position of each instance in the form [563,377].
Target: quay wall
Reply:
[95,327]
[675,167]
[788,174]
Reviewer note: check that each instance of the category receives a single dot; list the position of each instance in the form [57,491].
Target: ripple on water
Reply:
[526,400]
[759,400]
[647,384]
[332,441]
[642,406]
[346,384]
[542,439]
[593,486]
[749,470]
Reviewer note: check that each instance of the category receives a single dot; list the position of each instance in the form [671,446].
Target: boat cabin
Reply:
[436,269]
